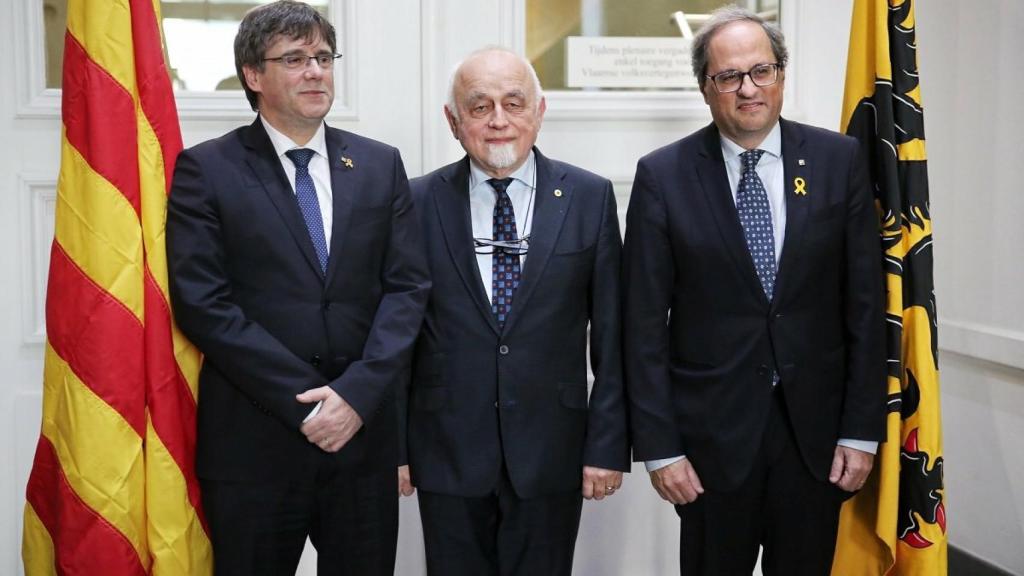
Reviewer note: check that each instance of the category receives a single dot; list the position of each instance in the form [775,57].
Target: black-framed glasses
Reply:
[324,60]
[511,247]
[731,80]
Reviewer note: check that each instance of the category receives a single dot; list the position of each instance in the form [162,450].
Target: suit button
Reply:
[778,316]
[315,360]
[503,350]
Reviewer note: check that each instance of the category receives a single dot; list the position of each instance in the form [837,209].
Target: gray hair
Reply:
[719,19]
[263,24]
[453,77]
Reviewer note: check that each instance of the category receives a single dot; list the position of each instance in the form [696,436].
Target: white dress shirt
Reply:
[319,169]
[481,209]
[771,171]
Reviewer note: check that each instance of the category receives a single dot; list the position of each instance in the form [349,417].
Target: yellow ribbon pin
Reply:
[800,184]
[347,161]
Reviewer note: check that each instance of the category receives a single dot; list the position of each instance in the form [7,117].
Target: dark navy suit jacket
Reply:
[702,339]
[248,291]
[482,398]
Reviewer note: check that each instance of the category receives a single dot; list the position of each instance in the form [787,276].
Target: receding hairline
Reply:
[459,69]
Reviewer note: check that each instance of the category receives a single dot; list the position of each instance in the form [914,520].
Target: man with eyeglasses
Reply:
[754,320]
[503,442]
[296,267]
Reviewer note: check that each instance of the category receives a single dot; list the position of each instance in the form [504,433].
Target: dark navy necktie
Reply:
[505,271]
[305,195]
[756,219]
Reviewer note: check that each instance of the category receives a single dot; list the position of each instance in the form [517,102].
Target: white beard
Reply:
[501,156]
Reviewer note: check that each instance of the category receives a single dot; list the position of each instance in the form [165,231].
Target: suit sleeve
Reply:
[863,416]
[648,276]
[607,444]
[406,285]
[243,351]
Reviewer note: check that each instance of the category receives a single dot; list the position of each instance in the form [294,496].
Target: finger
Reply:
[838,464]
[588,488]
[312,395]
[694,480]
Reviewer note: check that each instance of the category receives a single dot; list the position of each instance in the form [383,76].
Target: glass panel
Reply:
[199,35]
[550,23]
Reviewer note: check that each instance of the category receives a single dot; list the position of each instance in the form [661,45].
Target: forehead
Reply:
[282,43]
[739,45]
[493,75]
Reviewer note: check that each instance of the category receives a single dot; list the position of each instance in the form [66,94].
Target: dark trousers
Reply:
[500,534]
[260,528]
[781,507]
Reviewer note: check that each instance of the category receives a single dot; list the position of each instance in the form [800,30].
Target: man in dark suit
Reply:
[754,318]
[524,254]
[296,268]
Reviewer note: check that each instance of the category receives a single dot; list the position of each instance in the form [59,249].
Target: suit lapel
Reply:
[451,198]
[267,167]
[715,183]
[548,216]
[797,182]
[343,188]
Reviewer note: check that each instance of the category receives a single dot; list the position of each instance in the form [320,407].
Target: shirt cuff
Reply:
[868,446]
[313,412]
[653,465]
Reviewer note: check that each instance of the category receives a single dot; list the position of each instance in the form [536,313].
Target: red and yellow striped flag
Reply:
[113,488]
[897,524]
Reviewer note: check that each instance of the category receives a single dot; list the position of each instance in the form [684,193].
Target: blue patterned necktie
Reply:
[305,195]
[756,219]
[505,271]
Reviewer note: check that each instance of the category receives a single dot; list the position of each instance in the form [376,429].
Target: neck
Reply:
[300,133]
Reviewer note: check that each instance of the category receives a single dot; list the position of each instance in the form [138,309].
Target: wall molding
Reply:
[37,203]
[35,100]
[982,341]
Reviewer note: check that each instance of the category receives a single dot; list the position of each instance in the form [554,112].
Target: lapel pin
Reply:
[558,193]
[800,184]
[347,162]
[801,162]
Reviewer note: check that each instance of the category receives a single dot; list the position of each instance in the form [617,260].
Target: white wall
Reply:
[970,67]
[402,52]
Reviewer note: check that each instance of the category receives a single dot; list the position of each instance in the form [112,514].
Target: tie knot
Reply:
[750,158]
[300,157]
[500,184]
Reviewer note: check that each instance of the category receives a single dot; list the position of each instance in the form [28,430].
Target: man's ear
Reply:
[453,123]
[252,78]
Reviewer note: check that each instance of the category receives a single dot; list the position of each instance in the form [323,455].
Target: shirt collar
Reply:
[772,144]
[282,143]
[525,174]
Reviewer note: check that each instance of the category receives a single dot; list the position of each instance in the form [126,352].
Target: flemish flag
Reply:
[112,488]
[897,524]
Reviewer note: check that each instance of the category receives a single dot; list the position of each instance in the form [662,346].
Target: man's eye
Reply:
[293,60]
[727,77]
[324,59]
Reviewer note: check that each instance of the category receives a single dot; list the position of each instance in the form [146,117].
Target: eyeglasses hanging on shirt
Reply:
[517,247]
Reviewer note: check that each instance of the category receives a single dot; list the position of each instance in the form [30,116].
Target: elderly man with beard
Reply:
[502,439]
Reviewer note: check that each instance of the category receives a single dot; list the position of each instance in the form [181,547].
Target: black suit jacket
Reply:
[248,291]
[481,397]
[700,383]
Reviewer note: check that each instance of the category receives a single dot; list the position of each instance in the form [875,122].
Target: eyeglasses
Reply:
[731,80]
[300,61]
[512,248]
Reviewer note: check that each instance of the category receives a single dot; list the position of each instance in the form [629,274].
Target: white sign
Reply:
[628,62]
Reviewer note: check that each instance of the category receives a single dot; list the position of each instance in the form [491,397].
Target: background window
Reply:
[199,36]
[550,22]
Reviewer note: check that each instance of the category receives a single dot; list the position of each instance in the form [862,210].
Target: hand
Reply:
[405,487]
[850,468]
[336,422]
[600,482]
[678,482]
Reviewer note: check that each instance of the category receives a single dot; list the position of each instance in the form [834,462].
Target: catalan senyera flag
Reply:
[897,524]
[113,489]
